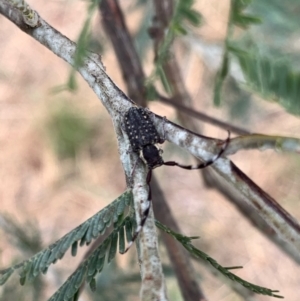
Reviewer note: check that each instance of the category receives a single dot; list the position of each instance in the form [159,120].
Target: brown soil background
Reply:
[35,185]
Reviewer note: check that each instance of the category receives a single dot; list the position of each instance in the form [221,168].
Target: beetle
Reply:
[144,140]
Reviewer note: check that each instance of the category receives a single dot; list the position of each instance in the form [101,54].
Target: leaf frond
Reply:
[85,233]
[237,17]
[186,243]
[184,14]
[273,79]
[91,266]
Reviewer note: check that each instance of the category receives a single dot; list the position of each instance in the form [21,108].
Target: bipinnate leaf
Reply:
[90,267]
[85,233]
[274,79]
[186,243]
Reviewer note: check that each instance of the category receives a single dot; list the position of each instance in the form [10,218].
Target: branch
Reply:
[202,147]
[203,117]
[116,103]
[134,78]
[214,181]
[263,142]
[30,16]
[276,216]
[115,27]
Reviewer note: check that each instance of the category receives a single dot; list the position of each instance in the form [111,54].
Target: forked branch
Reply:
[117,104]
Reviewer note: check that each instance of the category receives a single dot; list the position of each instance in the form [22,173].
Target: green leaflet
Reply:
[186,243]
[238,18]
[85,232]
[89,268]
[183,18]
[273,79]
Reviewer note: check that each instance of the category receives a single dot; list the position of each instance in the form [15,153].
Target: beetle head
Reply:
[151,155]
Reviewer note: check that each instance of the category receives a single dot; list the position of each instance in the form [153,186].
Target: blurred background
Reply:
[59,158]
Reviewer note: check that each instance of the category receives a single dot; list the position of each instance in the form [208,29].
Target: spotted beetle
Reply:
[144,140]
[143,136]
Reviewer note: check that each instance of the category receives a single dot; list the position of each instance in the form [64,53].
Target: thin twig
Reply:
[201,116]
[115,26]
[263,142]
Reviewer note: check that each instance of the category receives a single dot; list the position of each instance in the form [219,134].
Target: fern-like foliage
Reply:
[90,267]
[281,20]
[82,43]
[83,234]
[273,79]
[238,17]
[186,243]
[184,16]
